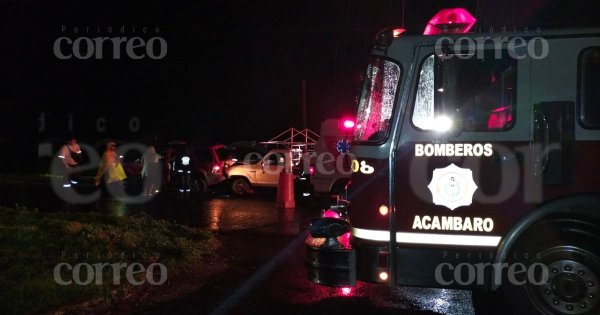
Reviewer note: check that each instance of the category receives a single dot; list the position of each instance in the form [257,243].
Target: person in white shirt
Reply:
[151,172]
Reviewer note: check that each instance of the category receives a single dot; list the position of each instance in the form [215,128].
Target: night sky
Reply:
[233,70]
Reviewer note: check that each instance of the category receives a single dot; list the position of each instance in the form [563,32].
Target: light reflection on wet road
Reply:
[257,231]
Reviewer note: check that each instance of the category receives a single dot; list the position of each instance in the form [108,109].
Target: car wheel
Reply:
[240,186]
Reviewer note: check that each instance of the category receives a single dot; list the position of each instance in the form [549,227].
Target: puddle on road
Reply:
[443,301]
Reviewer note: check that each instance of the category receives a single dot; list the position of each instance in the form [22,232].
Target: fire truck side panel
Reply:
[435,220]
[570,183]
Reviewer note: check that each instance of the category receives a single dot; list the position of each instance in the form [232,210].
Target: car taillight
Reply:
[216,168]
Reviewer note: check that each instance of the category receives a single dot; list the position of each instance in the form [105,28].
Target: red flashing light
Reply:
[455,20]
[348,124]
[331,214]
[346,291]
[311,170]
[397,32]
[216,168]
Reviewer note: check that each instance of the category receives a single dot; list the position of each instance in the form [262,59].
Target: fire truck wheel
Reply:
[569,257]
[240,186]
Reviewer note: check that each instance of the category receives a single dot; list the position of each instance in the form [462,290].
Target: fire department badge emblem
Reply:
[452,186]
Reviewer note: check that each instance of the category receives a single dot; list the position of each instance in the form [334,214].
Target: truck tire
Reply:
[240,186]
[569,250]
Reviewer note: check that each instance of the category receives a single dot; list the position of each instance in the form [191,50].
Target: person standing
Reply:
[70,155]
[111,166]
[151,171]
[182,165]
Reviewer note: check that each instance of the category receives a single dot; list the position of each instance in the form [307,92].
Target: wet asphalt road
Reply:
[264,249]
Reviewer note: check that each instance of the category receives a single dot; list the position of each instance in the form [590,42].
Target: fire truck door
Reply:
[553,140]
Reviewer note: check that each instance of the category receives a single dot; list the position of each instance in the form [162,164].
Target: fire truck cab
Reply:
[476,167]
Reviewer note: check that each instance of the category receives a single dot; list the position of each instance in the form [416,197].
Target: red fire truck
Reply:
[477,166]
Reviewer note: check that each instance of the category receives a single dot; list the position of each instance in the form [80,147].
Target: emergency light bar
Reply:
[455,20]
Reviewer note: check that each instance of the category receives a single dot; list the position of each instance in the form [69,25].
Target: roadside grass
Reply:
[33,244]
[16,179]
[37,179]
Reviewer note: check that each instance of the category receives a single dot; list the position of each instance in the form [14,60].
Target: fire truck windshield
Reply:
[377,100]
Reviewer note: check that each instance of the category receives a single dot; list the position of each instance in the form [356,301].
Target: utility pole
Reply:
[304,104]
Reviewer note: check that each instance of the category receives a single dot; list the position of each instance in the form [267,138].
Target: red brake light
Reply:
[455,20]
